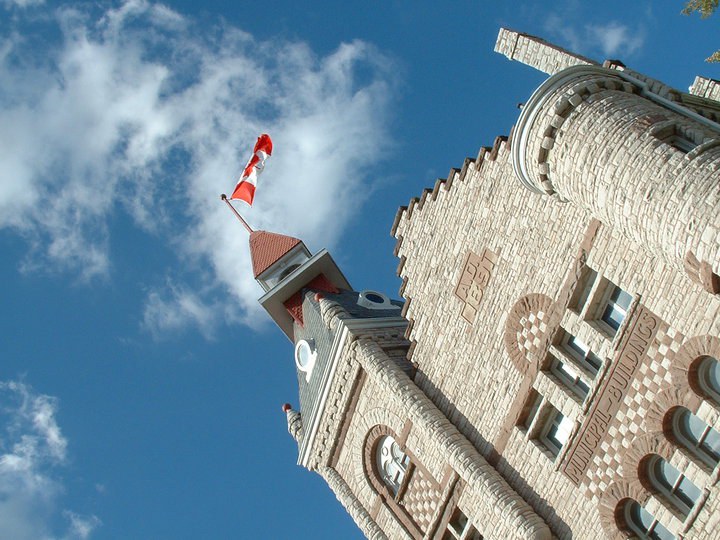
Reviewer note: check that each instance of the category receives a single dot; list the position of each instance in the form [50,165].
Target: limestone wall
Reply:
[440,454]
[497,278]
[536,52]
[707,88]
[468,370]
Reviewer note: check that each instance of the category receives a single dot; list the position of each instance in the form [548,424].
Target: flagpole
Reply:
[247,227]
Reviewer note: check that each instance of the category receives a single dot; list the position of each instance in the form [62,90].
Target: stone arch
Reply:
[370,420]
[529,327]
[686,362]
[404,503]
[611,505]
[642,448]
[679,395]
[370,463]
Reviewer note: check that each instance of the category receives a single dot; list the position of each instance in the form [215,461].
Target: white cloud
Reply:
[22,3]
[140,110]
[609,40]
[175,308]
[614,38]
[31,447]
[81,527]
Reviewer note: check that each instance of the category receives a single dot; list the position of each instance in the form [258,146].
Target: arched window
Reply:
[709,377]
[672,483]
[643,523]
[696,436]
[392,463]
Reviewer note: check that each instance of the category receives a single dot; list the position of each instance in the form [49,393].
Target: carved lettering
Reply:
[641,332]
[474,278]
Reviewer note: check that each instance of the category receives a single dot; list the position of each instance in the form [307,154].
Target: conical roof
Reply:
[267,248]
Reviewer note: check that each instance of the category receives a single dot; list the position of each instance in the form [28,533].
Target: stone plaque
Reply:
[475,276]
[607,402]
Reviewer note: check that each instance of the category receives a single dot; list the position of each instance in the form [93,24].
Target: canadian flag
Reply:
[245,188]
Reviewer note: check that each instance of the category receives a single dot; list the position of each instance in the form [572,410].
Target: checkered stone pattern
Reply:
[421,499]
[652,377]
[532,333]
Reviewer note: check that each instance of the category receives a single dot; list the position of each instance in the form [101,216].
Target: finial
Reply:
[294,422]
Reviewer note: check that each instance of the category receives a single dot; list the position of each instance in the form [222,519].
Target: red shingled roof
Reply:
[267,248]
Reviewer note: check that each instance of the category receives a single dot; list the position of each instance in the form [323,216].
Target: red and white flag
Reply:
[245,188]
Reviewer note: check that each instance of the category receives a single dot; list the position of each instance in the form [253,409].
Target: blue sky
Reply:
[140,383]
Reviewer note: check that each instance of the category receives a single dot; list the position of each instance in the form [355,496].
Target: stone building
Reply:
[553,370]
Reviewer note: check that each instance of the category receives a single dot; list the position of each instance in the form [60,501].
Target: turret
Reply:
[636,154]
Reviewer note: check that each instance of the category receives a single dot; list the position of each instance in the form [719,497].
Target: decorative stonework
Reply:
[684,367]
[419,497]
[492,493]
[592,81]
[611,505]
[528,329]
[422,498]
[610,396]
[475,276]
[679,395]
[641,448]
[348,499]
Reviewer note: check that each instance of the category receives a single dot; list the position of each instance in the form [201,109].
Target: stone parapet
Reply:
[536,52]
[707,88]
[351,503]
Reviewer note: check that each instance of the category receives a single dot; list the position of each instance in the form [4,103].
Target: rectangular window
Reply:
[527,416]
[460,528]
[569,377]
[616,308]
[578,350]
[556,431]
[681,143]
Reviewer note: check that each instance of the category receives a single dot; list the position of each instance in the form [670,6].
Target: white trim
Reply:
[695,445]
[273,300]
[307,345]
[672,488]
[270,277]
[367,303]
[639,528]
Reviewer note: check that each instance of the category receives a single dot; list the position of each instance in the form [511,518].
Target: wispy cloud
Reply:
[139,110]
[32,447]
[22,3]
[614,38]
[81,527]
[607,39]
[174,308]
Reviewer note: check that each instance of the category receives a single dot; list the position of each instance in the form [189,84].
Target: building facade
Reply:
[553,370]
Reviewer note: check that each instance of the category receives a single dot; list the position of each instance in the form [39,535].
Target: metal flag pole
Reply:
[247,227]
